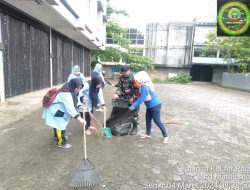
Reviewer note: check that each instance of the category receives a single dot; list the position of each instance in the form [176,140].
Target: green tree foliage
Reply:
[122,49]
[234,50]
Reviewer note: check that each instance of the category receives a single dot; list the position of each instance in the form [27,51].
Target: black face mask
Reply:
[80,86]
[73,84]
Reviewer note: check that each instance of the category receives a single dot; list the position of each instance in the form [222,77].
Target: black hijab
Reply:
[71,86]
[96,79]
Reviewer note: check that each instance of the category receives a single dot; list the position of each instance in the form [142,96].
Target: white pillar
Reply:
[51,58]
[218,54]
[72,54]
[83,69]
[2,90]
[192,43]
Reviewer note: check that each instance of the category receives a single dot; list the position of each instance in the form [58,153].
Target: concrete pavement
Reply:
[210,149]
[18,107]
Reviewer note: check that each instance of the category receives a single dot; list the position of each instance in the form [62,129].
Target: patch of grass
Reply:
[158,80]
[182,78]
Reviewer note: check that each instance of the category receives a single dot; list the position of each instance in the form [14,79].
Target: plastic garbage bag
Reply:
[121,117]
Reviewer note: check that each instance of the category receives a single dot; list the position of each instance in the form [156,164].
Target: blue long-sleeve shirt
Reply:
[85,92]
[144,91]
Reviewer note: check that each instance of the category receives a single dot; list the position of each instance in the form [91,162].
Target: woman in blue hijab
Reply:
[93,97]
[98,69]
[76,73]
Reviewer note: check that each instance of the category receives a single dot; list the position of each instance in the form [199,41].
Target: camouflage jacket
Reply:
[125,87]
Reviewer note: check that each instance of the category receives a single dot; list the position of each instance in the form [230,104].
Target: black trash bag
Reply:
[121,117]
[120,103]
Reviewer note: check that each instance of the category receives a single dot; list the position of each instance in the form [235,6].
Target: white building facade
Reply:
[177,48]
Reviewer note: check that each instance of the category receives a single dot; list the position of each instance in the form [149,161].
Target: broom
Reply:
[86,175]
[108,82]
[94,122]
[105,132]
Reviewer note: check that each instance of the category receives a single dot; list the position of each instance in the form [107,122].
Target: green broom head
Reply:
[86,175]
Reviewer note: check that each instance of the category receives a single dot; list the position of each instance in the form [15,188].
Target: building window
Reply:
[199,52]
[137,52]
[132,30]
[135,36]
[140,42]
[132,41]
[132,36]
[110,41]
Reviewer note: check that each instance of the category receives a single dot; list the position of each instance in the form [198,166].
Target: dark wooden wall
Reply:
[26,53]
[78,55]
[87,65]
[25,56]
[61,59]
[63,55]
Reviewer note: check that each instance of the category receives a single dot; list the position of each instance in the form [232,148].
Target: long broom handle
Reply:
[84,142]
[104,118]
[108,81]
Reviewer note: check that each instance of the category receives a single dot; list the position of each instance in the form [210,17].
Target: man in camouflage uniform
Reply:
[127,90]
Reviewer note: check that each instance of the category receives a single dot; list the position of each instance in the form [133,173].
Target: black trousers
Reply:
[87,118]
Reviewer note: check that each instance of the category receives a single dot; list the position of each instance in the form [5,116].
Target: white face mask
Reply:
[77,89]
[77,72]
[98,86]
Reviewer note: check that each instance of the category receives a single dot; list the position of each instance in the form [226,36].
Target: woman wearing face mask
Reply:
[76,73]
[98,69]
[92,97]
[152,102]
[58,114]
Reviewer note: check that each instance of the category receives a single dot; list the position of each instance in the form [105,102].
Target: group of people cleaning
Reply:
[82,96]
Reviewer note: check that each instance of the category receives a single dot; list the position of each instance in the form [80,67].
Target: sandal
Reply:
[143,136]
[88,132]
[165,140]
[92,128]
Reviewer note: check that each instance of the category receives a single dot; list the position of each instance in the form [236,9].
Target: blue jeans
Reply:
[155,114]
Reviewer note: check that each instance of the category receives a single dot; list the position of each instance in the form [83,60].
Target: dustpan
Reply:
[105,131]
